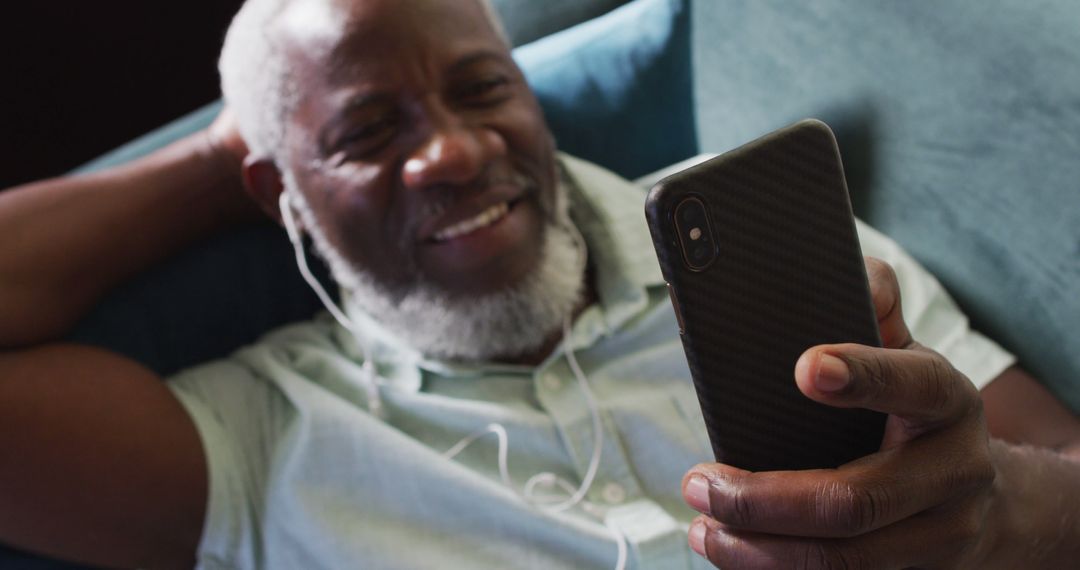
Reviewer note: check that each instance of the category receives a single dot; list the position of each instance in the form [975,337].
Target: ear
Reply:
[262,180]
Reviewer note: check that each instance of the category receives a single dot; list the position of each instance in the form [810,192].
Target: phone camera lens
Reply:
[693,227]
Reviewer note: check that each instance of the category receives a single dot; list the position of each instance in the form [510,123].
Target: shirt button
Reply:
[552,382]
[614,493]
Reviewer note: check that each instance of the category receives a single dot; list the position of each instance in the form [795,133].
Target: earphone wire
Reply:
[376,408]
[371,387]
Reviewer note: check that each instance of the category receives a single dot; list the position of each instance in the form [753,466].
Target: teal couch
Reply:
[959,124]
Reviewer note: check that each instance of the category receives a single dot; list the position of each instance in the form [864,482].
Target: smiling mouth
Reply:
[482,220]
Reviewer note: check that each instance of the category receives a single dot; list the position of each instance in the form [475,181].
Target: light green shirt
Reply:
[302,475]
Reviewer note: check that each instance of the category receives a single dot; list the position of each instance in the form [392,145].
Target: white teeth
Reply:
[483,219]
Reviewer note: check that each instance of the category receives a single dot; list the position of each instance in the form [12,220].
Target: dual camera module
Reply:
[694,229]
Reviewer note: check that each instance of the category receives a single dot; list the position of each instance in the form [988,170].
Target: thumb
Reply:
[917,386]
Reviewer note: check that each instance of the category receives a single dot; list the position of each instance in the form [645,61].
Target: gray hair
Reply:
[255,82]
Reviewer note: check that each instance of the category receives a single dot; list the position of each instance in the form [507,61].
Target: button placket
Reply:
[571,415]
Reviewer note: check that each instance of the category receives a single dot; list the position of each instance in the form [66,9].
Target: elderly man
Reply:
[502,388]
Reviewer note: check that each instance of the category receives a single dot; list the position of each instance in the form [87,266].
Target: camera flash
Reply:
[695,234]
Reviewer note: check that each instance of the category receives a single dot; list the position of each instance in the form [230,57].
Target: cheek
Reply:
[354,204]
[354,189]
[532,131]
[527,134]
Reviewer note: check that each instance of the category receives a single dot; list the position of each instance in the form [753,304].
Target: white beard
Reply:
[507,323]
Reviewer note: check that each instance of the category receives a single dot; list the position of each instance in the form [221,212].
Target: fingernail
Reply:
[832,374]
[697,493]
[697,537]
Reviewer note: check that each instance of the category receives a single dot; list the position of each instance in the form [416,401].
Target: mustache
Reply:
[441,197]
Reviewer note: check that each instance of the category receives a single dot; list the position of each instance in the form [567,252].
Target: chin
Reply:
[491,259]
[481,325]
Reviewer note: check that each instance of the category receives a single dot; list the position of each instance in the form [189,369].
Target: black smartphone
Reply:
[762,260]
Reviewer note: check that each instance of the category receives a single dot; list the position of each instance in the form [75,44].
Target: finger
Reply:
[885,291]
[920,385]
[857,498]
[937,539]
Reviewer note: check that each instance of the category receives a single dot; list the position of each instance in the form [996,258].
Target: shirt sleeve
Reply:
[933,317]
[233,412]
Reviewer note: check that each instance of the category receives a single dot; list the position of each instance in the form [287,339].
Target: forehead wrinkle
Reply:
[345,70]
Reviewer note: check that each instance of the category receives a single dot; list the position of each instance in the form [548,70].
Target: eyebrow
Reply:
[478,57]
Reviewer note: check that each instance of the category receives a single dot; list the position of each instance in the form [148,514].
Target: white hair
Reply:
[255,82]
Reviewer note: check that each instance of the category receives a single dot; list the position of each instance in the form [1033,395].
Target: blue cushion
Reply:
[204,302]
[959,126]
[528,20]
[617,90]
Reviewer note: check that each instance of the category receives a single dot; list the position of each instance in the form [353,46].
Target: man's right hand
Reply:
[224,138]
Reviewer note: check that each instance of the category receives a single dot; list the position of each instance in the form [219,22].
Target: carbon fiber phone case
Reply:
[788,274]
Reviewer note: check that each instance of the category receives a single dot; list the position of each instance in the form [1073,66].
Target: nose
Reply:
[453,153]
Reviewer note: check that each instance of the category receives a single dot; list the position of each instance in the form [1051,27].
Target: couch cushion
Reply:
[528,20]
[959,125]
[617,90]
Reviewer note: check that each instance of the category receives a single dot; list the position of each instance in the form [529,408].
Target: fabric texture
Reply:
[303,476]
[959,123]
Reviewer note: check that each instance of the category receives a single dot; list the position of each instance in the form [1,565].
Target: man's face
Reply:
[416,142]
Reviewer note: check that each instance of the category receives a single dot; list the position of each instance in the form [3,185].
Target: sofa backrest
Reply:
[959,123]
[529,20]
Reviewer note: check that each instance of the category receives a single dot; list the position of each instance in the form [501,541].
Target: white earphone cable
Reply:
[371,387]
[547,479]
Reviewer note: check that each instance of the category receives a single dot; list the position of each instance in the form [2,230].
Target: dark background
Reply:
[81,78]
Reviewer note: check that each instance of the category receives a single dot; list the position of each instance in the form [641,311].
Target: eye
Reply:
[369,137]
[488,90]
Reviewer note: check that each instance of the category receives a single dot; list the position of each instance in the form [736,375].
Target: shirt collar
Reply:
[610,212]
